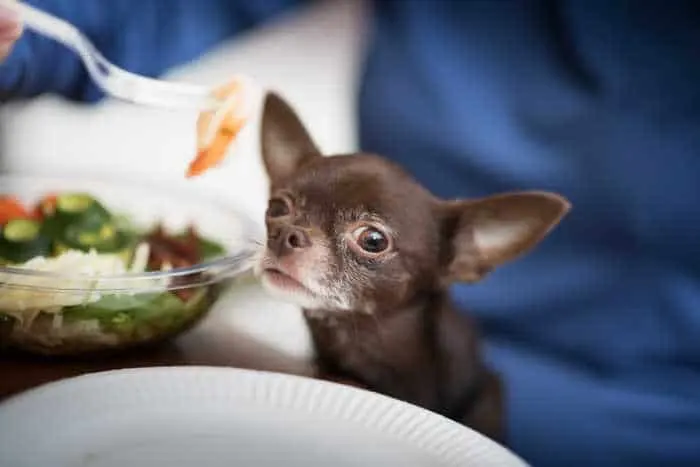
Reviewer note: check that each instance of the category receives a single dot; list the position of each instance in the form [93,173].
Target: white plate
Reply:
[200,416]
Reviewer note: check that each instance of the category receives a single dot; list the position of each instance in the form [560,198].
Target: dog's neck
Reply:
[409,352]
[374,328]
[416,306]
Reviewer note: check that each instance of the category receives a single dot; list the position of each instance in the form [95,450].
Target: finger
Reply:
[10,33]
[10,24]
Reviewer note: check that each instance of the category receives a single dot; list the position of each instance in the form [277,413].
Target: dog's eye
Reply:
[277,207]
[371,240]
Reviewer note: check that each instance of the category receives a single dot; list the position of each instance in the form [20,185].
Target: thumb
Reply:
[10,25]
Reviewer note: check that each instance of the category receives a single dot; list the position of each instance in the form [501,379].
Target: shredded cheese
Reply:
[23,297]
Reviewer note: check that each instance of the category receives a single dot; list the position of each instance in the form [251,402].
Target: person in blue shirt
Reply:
[597,332]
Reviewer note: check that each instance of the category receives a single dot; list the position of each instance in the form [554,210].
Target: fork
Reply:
[112,79]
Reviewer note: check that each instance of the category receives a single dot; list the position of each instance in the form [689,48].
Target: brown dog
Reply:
[368,254]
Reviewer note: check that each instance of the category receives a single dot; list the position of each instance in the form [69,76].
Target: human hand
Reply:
[10,31]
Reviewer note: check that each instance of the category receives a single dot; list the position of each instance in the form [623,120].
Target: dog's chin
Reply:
[289,289]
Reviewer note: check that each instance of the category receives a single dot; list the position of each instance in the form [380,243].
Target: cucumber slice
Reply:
[22,240]
[76,209]
[105,239]
[21,230]
[74,203]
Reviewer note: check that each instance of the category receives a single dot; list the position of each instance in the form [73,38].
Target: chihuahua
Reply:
[369,255]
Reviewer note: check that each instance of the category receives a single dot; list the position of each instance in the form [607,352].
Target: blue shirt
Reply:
[597,332]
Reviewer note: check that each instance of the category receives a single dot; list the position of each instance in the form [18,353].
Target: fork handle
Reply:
[65,33]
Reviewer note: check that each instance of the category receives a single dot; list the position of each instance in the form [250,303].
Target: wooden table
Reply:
[226,337]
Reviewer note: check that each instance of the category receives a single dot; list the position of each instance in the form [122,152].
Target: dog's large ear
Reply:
[285,143]
[483,234]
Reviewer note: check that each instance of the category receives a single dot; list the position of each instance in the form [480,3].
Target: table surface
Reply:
[246,329]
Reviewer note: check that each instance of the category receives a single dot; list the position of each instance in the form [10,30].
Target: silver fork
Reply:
[113,80]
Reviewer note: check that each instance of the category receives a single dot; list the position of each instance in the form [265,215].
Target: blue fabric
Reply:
[597,332]
[143,36]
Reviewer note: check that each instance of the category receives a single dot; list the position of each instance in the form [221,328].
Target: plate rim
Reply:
[440,435]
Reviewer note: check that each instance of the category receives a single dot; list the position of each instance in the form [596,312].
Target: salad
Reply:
[74,276]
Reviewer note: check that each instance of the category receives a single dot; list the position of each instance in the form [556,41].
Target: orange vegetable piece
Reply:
[11,208]
[213,143]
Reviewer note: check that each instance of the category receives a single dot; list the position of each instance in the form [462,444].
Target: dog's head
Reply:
[358,233]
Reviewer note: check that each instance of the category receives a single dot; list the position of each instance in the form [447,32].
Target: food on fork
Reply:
[217,129]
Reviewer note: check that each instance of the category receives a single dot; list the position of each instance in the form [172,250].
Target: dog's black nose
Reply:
[288,239]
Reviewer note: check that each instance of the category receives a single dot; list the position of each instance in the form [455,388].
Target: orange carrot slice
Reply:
[217,130]
[11,208]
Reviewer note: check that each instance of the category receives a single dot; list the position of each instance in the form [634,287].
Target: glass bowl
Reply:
[93,302]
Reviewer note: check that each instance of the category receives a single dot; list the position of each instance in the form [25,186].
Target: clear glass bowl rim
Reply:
[226,266]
